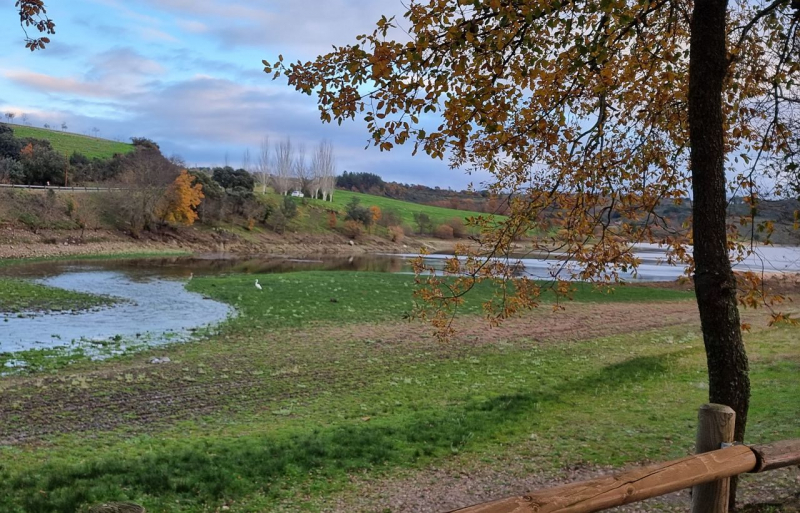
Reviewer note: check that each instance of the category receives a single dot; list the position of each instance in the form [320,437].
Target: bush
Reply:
[443,231]
[423,222]
[11,171]
[269,206]
[353,229]
[355,212]
[457,224]
[42,165]
[230,178]
[289,207]
[396,233]
[10,146]
[390,217]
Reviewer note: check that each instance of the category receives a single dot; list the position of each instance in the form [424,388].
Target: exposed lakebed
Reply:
[153,307]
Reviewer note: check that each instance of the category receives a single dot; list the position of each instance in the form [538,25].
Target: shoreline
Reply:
[18,244]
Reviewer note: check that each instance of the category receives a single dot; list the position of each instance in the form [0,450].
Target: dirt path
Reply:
[239,374]
[458,484]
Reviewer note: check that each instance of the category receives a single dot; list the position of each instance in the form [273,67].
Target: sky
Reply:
[188,74]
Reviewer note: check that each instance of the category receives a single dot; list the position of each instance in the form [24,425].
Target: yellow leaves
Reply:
[781,318]
[376,213]
[576,109]
[180,200]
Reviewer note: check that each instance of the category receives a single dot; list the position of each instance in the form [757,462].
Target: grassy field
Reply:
[67,143]
[405,209]
[297,299]
[299,403]
[24,296]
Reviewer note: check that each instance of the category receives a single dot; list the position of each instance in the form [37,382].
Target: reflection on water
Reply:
[208,265]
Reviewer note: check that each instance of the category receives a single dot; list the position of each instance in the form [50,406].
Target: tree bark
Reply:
[715,284]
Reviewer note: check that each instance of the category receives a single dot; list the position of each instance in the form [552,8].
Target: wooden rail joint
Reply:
[651,481]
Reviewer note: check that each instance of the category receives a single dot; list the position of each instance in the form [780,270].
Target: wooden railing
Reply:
[708,473]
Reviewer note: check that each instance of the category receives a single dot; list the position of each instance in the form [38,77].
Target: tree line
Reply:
[286,167]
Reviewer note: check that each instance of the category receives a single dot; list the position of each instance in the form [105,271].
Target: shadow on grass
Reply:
[207,472]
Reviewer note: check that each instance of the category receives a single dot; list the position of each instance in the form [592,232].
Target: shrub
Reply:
[289,207]
[41,165]
[457,224]
[10,146]
[443,231]
[396,233]
[353,229]
[230,178]
[390,217]
[355,212]
[423,222]
[11,171]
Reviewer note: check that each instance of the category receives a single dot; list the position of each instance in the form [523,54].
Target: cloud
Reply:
[114,74]
[185,73]
[193,26]
[64,85]
[308,29]
[154,34]
[122,61]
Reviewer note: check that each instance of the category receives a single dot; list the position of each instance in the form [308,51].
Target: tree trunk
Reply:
[715,284]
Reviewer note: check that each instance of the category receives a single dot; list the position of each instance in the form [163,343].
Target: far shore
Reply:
[24,244]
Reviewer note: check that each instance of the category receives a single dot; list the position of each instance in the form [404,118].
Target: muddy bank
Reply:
[20,243]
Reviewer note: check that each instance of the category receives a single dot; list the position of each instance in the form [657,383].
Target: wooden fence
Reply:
[707,472]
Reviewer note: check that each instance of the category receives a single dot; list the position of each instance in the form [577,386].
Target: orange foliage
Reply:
[27,151]
[376,213]
[180,200]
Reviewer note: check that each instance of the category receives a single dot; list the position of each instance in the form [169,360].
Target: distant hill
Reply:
[65,142]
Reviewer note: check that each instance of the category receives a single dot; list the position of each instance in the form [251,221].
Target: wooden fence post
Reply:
[714,427]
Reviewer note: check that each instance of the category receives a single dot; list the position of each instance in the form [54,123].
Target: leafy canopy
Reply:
[577,109]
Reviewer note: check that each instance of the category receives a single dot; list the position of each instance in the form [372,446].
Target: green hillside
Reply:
[405,209]
[65,142]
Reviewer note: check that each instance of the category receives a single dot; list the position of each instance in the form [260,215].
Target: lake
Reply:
[157,309]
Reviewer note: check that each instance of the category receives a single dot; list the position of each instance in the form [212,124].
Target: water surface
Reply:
[153,311]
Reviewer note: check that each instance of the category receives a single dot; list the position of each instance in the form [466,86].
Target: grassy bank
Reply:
[24,296]
[405,209]
[67,143]
[10,262]
[298,397]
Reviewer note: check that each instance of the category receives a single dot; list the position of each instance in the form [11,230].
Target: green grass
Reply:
[25,296]
[67,143]
[405,209]
[606,402]
[263,415]
[297,299]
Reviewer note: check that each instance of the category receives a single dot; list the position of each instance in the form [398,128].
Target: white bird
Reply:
[191,275]
[258,286]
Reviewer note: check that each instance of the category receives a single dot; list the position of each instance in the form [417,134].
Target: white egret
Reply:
[258,285]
